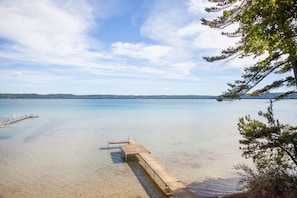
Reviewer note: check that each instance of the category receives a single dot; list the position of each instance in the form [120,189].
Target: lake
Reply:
[63,153]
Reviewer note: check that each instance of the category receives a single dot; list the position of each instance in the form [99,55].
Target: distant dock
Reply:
[9,121]
[169,184]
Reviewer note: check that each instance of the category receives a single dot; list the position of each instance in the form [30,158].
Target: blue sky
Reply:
[139,47]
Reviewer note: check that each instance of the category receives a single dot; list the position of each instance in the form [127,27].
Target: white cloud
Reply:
[28,77]
[57,33]
[44,30]
[17,73]
[212,39]
[180,27]
[151,53]
[190,29]
[185,67]
[163,25]
[174,24]
[103,9]
[198,6]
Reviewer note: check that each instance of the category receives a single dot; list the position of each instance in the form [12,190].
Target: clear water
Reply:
[63,152]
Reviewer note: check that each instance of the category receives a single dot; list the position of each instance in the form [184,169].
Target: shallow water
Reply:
[63,152]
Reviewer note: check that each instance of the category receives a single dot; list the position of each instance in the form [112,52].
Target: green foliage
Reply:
[271,145]
[268,32]
[273,148]
[266,27]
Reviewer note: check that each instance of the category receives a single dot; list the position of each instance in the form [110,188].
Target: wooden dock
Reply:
[170,185]
[117,142]
[9,121]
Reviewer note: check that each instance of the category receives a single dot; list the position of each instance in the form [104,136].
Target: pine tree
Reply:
[265,27]
[267,30]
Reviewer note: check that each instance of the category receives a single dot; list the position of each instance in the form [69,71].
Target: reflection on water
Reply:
[61,153]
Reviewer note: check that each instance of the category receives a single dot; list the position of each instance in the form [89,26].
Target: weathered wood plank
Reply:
[172,184]
[16,119]
[119,142]
[133,148]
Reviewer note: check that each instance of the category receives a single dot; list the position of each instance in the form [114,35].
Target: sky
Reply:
[121,47]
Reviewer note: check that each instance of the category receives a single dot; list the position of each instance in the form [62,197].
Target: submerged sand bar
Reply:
[161,175]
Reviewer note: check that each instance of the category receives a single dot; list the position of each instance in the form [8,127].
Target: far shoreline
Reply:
[110,96]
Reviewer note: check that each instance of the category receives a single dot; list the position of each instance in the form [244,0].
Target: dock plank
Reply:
[163,172]
[133,148]
[9,121]
[173,184]
[176,187]
[119,142]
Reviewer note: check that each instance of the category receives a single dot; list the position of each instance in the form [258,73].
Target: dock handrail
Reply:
[118,142]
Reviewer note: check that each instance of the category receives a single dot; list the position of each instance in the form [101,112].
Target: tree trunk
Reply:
[294,66]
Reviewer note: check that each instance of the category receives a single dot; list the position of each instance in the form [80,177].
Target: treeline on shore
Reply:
[72,96]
